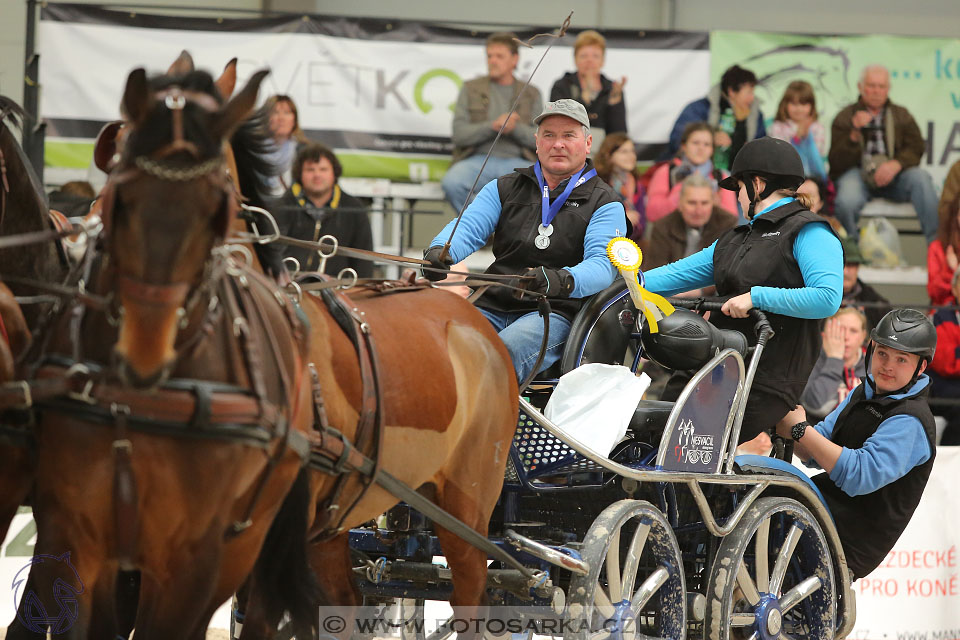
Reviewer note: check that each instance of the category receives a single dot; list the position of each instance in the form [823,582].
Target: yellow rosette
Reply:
[626,256]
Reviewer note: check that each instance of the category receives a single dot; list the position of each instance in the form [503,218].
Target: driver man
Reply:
[552,221]
[877,447]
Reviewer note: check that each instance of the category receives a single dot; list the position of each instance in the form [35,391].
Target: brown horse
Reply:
[184,450]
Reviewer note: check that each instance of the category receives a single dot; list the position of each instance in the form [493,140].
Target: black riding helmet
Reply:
[905,330]
[774,160]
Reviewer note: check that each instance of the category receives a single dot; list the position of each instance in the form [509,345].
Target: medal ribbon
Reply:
[550,209]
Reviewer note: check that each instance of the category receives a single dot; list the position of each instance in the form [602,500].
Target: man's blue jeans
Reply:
[522,333]
[460,176]
[912,185]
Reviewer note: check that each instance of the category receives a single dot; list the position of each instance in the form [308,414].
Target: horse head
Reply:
[169,203]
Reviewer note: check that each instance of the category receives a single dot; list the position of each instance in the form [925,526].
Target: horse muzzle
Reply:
[152,313]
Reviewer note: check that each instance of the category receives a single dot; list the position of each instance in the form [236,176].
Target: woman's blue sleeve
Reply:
[692,272]
[820,257]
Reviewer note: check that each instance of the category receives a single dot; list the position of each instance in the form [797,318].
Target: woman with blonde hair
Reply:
[284,124]
[840,367]
[602,97]
[796,122]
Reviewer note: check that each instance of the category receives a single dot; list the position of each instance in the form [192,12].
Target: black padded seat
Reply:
[650,417]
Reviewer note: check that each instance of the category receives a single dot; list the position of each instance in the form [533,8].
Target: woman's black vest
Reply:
[520,215]
[869,525]
[761,254]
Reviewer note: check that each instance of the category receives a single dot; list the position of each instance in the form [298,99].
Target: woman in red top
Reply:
[942,256]
[695,156]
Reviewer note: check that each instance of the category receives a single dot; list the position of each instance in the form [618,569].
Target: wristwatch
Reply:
[797,431]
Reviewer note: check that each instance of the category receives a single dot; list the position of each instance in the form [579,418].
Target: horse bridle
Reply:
[153,165]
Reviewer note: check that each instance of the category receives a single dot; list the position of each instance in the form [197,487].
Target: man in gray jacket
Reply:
[482,108]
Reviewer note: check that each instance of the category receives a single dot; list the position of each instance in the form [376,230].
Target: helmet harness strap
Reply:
[873,385]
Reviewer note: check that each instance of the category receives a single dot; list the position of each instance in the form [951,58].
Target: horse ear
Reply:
[182,65]
[228,80]
[135,96]
[239,107]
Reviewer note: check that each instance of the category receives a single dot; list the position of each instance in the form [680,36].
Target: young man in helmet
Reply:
[787,262]
[878,446]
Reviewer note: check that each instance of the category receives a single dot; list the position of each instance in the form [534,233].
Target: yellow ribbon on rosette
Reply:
[626,256]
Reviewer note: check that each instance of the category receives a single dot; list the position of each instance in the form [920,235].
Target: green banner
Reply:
[924,78]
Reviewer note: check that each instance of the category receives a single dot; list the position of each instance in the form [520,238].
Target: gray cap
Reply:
[566,107]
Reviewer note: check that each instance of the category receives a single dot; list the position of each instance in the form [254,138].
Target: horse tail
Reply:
[283,577]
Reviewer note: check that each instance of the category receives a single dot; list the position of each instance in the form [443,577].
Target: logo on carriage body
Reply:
[691,447]
[67,585]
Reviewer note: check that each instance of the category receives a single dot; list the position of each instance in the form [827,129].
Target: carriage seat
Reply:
[749,463]
[650,418]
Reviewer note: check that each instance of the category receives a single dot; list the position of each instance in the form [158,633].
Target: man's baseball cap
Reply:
[851,252]
[566,107]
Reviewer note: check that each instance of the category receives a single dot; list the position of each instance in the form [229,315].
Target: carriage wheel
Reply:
[772,578]
[635,586]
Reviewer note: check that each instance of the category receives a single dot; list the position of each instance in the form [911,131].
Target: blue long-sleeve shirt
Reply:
[593,274]
[897,446]
[818,254]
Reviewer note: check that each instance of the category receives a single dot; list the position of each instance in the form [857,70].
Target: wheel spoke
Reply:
[632,561]
[762,551]
[803,590]
[613,567]
[602,602]
[783,559]
[649,587]
[745,582]
[743,620]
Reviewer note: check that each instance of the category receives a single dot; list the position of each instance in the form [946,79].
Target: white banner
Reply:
[359,89]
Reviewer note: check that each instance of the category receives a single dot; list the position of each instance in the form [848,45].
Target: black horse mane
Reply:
[252,143]
[14,113]
[156,130]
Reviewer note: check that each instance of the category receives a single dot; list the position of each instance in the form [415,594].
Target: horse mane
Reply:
[252,145]
[157,128]
[14,113]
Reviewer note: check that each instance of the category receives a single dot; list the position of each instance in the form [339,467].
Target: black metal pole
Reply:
[34,129]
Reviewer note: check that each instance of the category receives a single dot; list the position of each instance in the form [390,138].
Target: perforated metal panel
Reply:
[536,451]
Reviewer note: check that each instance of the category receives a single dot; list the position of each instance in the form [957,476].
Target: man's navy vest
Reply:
[869,525]
[520,215]
[761,254]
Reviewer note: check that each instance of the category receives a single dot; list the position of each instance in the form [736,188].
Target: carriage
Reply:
[671,535]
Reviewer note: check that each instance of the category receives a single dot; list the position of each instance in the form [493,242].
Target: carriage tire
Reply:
[790,591]
[633,539]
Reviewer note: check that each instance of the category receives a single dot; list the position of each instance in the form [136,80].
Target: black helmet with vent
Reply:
[774,160]
[906,330]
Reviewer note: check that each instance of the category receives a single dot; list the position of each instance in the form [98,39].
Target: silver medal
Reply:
[545,231]
[541,242]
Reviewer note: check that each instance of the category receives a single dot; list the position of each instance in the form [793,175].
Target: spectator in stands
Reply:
[616,164]
[942,253]
[694,225]
[786,261]
[694,157]
[877,447]
[315,206]
[284,123]
[602,97]
[483,106]
[559,239]
[817,191]
[840,367]
[875,150]
[796,122]
[945,368]
[951,191]
[731,110]
[855,291]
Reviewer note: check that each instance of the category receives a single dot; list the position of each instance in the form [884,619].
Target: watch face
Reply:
[798,430]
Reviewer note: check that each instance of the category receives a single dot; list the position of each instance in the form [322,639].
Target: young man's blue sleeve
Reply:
[478,223]
[595,273]
[898,445]
[820,257]
[692,272]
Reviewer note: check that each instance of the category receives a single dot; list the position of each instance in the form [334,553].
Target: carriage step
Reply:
[548,554]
